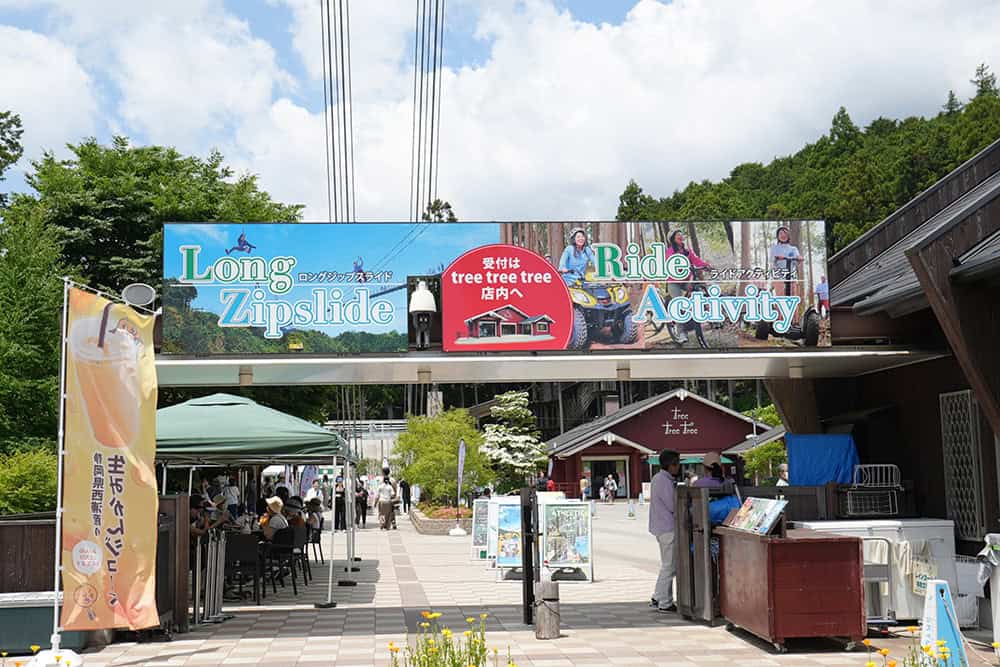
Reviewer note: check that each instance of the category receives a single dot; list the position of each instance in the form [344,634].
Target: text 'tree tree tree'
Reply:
[427,454]
[512,443]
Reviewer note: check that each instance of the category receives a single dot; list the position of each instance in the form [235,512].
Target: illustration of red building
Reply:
[505,321]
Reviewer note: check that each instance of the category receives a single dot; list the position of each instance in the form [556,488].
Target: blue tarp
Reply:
[815,460]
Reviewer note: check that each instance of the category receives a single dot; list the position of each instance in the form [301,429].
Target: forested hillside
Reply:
[851,177]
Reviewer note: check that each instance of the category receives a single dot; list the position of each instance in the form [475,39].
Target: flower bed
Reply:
[434,646]
[428,525]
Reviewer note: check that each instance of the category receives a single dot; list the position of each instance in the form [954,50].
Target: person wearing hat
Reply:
[314,509]
[293,512]
[662,502]
[274,520]
[712,475]
[577,256]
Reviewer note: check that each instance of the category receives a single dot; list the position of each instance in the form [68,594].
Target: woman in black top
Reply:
[339,505]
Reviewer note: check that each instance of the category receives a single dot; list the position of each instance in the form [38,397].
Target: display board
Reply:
[756,515]
[492,523]
[480,528]
[509,541]
[567,540]
[252,289]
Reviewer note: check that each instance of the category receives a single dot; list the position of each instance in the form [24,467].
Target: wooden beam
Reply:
[968,313]
[795,400]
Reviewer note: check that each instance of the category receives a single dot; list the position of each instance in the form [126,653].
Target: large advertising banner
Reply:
[496,287]
[109,483]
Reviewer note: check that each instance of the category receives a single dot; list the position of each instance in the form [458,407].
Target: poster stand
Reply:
[577,569]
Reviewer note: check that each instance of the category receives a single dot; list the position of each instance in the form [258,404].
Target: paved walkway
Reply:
[403,573]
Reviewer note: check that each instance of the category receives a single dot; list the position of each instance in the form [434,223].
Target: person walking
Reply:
[404,493]
[361,506]
[232,494]
[661,526]
[386,503]
[339,505]
[585,488]
[612,489]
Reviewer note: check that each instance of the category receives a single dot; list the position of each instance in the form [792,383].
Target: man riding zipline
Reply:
[242,244]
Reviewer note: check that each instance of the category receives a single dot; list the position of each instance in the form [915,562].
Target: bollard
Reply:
[547,610]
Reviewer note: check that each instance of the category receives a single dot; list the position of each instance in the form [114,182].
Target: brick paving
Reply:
[403,573]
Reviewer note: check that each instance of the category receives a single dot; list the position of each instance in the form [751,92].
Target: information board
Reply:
[757,515]
[480,528]
[567,540]
[509,541]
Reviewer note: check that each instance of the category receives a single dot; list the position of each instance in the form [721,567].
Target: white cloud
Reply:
[559,115]
[46,85]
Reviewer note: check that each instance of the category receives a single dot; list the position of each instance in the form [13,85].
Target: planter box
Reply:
[26,619]
[428,526]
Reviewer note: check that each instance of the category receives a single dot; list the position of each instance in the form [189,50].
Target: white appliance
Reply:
[938,537]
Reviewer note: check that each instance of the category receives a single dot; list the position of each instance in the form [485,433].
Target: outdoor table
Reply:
[806,584]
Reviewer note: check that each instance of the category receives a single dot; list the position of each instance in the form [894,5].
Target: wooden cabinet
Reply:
[806,584]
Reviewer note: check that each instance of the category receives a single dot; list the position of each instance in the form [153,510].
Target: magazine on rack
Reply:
[757,515]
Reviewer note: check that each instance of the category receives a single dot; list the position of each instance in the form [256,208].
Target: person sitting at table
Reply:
[293,512]
[314,508]
[274,520]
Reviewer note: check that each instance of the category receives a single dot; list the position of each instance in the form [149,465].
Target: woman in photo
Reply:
[577,256]
[785,259]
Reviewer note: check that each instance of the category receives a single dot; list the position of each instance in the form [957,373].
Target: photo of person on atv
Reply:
[725,259]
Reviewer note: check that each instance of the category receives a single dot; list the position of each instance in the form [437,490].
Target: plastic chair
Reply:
[300,537]
[281,554]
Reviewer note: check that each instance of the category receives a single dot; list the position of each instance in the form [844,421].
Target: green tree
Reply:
[439,211]
[30,320]
[985,82]
[28,482]
[761,463]
[10,145]
[512,443]
[427,454]
[952,106]
[110,203]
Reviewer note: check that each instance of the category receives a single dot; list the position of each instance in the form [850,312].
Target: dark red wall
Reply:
[717,430]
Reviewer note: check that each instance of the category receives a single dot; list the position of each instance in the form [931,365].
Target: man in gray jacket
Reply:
[661,525]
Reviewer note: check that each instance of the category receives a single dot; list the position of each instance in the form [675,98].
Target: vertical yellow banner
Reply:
[109,479]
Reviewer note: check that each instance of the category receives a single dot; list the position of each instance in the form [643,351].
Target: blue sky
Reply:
[549,107]
[330,248]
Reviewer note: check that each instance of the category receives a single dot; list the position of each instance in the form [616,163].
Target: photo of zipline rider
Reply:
[602,312]
[785,260]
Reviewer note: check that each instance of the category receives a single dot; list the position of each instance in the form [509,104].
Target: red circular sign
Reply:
[504,298]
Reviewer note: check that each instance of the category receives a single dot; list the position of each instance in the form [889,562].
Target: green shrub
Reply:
[28,481]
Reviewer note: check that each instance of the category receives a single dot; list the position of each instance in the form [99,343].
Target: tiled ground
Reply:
[404,573]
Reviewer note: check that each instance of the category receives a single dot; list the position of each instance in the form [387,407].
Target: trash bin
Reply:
[547,610]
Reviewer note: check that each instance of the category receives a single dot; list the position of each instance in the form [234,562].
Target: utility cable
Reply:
[326,114]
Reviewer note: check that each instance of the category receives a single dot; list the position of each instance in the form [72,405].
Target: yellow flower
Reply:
[926,649]
[425,614]
[869,664]
[883,652]
[994,645]
[432,650]
[912,628]
[891,663]
[470,620]
[436,614]
[483,615]
[941,642]
[867,642]
[467,633]
[446,633]
[425,624]
[34,648]
[431,642]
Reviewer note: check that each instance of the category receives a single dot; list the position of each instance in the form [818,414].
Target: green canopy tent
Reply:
[222,429]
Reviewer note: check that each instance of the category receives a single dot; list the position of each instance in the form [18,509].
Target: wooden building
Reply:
[927,278]
[620,443]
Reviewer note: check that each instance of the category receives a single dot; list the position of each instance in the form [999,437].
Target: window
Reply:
[508,329]
[487,329]
[543,327]
[962,469]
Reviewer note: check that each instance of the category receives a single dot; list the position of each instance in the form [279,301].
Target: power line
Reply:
[344,102]
[326,115]
[328,82]
[350,96]
[413,135]
[437,149]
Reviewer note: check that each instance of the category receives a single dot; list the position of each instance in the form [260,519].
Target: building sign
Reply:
[678,423]
[110,497]
[346,289]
